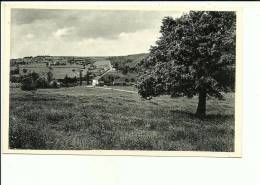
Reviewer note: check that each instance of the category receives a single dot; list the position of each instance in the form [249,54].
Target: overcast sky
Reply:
[84,32]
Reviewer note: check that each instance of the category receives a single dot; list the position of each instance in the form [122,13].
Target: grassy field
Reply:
[102,63]
[94,118]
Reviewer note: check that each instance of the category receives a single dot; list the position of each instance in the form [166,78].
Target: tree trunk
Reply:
[80,78]
[201,109]
[87,79]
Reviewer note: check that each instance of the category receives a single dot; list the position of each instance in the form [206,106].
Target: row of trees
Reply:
[112,79]
[195,55]
[33,81]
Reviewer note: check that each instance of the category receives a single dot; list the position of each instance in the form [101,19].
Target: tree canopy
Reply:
[195,55]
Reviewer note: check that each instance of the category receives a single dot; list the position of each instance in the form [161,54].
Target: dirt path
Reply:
[113,89]
[108,88]
[110,69]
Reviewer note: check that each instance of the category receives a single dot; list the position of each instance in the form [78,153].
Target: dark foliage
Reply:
[68,82]
[195,55]
[41,83]
[28,84]
[15,79]
[14,72]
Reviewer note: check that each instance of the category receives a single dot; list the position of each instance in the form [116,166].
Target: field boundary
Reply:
[109,88]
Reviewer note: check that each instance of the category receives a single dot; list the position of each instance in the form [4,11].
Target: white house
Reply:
[95,82]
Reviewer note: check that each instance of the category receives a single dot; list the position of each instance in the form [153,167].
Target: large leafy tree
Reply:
[195,55]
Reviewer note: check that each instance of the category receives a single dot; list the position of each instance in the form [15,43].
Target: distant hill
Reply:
[134,57]
[128,60]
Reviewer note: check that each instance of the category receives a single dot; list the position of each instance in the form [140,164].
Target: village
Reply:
[67,71]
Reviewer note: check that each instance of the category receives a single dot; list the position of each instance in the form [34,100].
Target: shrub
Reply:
[54,84]
[14,72]
[15,79]
[28,84]
[41,83]
[69,82]
[25,70]
[34,76]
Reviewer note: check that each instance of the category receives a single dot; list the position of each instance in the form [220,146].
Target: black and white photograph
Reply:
[123,80]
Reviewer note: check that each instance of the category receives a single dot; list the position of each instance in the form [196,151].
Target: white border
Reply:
[122,6]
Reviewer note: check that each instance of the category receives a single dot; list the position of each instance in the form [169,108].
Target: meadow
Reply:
[84,118]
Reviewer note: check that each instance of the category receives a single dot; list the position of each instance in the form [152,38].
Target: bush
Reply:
[25,70]
[41,83]
[28,84]
[34,76]
[15,79]
[69,82]
[29,81]
[14,72]
[54,84]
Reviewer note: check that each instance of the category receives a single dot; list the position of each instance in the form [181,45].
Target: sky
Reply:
[84,32]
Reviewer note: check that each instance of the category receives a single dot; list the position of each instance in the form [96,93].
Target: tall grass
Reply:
[85,118]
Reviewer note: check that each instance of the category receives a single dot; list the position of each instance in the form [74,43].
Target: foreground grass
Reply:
[91,118]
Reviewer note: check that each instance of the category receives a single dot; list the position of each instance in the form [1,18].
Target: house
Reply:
[72,71]
[41,69]
[59,72]
[98,81]
[95,82]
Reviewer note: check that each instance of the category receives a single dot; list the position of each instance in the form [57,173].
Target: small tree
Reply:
[87,77]
[66,80]
[195,55]
[80,77]
[15,71]
[35,76]
[116,65]
[125,69]
[28,83]
[24,70]
[41,83]
[49,76]
[111,79]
